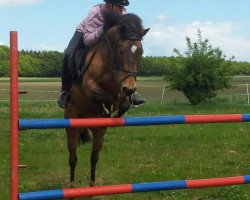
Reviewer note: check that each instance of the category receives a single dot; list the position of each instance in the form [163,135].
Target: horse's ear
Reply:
[144,32]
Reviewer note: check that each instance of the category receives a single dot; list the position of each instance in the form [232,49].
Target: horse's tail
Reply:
[84,137]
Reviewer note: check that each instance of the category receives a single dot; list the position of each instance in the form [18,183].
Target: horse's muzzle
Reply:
[128,91]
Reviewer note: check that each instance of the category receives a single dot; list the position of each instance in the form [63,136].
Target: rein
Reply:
[86,66]
[120,69]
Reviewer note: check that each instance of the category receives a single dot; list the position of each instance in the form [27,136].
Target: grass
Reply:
[235,80]
[150,88]
[32,79]
[130,154]
[57,79]
[134,154]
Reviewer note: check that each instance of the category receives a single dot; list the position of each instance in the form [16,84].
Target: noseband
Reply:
[120,69]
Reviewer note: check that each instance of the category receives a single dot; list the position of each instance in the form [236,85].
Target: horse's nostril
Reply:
[128,91]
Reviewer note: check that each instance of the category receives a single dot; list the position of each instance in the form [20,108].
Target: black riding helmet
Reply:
[118,2]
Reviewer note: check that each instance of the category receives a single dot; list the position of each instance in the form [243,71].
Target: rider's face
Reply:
[116,8]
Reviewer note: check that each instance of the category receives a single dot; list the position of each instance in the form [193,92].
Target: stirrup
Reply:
[136,97]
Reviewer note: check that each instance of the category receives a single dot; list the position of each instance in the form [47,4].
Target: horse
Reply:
[105,86]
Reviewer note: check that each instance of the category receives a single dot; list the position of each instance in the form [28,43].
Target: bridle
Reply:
[120,69]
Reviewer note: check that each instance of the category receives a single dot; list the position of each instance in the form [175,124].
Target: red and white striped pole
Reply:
[14,115]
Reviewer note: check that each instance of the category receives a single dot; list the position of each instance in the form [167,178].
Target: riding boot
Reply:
[68,68]
[136,100]
[63,99]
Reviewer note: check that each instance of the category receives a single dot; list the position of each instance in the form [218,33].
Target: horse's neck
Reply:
[103,60]
[100,79]
[100,59]
[102,68]
[105,53]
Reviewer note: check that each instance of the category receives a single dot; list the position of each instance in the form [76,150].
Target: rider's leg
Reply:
[74,43]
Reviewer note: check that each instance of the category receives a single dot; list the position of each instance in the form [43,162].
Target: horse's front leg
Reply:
[99,96]
[98,137]
[73,136]
[124,106]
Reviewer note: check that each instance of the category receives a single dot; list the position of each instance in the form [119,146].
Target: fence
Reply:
[37,91]
[17,124]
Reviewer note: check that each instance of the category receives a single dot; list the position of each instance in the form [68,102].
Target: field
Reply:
[130,154]
[151,89]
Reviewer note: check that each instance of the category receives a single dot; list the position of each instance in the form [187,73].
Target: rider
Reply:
[87,33]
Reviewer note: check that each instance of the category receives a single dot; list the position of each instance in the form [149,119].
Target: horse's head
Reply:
[124,40]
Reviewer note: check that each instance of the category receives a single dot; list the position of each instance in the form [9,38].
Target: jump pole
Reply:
[131,121]
[14,115]
[134,188]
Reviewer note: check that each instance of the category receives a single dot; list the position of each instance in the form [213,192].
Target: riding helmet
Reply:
[118,2]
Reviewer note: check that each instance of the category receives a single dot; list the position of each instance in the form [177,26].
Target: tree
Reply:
[4,61]
[200,72]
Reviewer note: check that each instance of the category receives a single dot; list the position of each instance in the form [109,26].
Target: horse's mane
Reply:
[131,24]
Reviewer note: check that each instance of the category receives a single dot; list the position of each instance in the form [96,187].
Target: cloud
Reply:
[12,3]
[45,47]
[1,43]
[165,35]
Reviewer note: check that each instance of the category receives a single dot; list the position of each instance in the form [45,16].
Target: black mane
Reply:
[131,24]
[111,19]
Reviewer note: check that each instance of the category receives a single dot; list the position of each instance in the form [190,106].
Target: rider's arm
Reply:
[92,26]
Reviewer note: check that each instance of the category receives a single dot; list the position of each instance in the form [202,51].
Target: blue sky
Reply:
[50,24]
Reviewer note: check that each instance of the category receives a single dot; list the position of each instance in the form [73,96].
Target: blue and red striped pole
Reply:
[134,188]
[131,121]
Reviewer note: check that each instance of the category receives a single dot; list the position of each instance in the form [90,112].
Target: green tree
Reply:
[153,66]
[29,66]
[51,63]
[4,61]
[200,72]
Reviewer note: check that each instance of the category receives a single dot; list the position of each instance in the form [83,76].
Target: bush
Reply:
[200,72]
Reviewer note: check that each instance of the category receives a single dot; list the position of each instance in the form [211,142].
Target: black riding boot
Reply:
[63,99]
[136,100]
[67,70]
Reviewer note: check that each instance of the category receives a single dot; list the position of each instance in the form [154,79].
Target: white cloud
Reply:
[12,3]
[45,47]
[165,35]
[1,43]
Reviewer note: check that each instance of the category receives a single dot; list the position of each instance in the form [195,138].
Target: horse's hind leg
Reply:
[73,136]
[98,137]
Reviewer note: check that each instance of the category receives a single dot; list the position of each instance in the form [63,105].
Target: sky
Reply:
[50,24]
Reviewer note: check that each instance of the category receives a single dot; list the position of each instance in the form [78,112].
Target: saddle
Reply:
[77,61]
[80,60]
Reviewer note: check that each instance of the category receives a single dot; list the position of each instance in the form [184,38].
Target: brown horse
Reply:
[107,83]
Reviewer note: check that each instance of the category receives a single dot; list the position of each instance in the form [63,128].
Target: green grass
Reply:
[57,79]
[150,89]
[32,79]
[150,78]
[236,79]
[134,154]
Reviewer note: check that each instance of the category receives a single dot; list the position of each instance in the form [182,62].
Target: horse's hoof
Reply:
[71,185]
[92,184]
